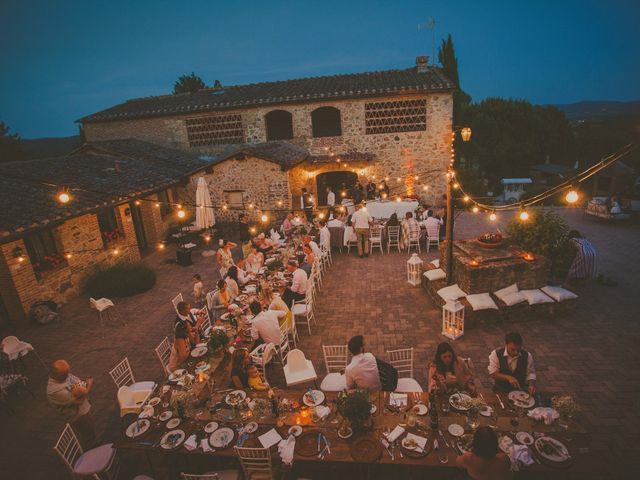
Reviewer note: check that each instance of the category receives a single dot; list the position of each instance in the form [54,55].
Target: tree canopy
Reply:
[449,61]
[188,84]
[10,145]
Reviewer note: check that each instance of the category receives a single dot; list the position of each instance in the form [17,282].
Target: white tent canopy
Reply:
[204,210]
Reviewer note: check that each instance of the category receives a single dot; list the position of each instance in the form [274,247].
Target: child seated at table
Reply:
[255,379]
[198,289]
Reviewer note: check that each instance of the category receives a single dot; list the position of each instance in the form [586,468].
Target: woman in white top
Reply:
[232,281]
[254,261]
[275,302]
[224,257]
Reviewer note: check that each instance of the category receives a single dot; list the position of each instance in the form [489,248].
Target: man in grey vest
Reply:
[512,366]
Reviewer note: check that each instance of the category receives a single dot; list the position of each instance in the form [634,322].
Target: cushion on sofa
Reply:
[481,301]
[435,274]
[452,292]
[536,296]
[559,294]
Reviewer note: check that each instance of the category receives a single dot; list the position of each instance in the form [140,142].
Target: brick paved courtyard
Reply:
[586,354]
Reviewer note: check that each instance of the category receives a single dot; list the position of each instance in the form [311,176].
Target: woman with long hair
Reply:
[448,371]
[485,461]
[239,361]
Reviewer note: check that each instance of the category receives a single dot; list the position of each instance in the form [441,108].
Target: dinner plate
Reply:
[456,430]
[165,415]
[177,375]
[146,412]
[421,409]
[210,427]
[313,398]
[221,438]
[552,449]
[347,434]
[198,352]
[524,438]
[486,411]
[137,428]
[235,398]
[414,442]
[202,367]
[460,401]
[250,427]
[202,344]
[173,423]
[296,430]
[172,439]
[522,399]
[154,401]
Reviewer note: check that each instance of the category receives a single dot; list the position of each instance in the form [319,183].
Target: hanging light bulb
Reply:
[250,206]
[572,196]
[398,199]
[252,230]
[466,198]
[207,238]
[425,188]
[181,213]
[493,216]
[321,216]
[264,218]
[68,255]
[279,203]
[456,186]
[161,246]
[137,203]
[157,205]
[399,179]
[524,215]
[224,206]
[64,197]
[384,195]
[475,209]
[116,251]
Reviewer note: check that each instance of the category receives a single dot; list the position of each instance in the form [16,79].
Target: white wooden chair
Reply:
[256,462]
[351,240]
[304,309]
[221,475]
[163,351]
[413,240]
[298,369]
[206,322]
[283,348]
[375,238]
[122,375]
[176,300]
[102,460]
[335,361]
[402,361]
[433,236]
[290,330]
[261,356]
[393,238]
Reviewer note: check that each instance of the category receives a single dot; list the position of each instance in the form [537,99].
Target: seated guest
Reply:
[298,288]
[325,236]
[287,225]
[265,324]
[198,289]
[393,220]
[240,360]
[262,244]
[180,348]
[224,257]
[431,221]
[485,461]
[585,262]
[334,222]
[306,240]
[306,262]
[219,301]
[512,366]
[254,379]
[70,396]
[362,372]
[448,372]
[410,228]
[232,281]
[244,276]
[273,301]
[192,318]
[254,261]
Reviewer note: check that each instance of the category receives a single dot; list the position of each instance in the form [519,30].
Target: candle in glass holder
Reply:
[474,262]
[304,413]
[529,257]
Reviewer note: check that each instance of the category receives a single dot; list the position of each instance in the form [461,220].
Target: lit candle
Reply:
[529,257]
[473,262]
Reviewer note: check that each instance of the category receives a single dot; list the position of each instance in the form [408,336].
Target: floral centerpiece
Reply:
[113,235]
[355,407]
[179,403]
[218,340]
[275,265]
[565,405]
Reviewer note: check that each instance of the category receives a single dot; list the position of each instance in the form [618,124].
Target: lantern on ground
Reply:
[453,319]
[414,270]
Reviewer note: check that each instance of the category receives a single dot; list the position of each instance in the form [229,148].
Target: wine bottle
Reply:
[433,411]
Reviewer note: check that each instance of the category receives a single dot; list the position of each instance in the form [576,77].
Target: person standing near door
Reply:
[307,204]
[361,220]
[331,197]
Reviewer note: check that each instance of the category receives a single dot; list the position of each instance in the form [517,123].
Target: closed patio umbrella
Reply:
[204,211]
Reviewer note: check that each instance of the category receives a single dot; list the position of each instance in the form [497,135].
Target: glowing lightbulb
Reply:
[181,214]
[207,238]
[137,203]
[250,206]
[157,205]
[425,188]
[224,207]
[264,218]
[524,216]
[161,246]
[68,255]
[493,217]
[21,259]
[321,215]
[456,185]
[384,195]
[466,198]
[64,197]
[475,209]
[398,199]
[572,196]
[116,251]
[252,230]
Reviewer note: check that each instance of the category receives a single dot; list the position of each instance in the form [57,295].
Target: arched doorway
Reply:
[337,180]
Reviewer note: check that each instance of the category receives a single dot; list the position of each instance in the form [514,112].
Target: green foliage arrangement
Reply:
[188,84]
[121,280]
[275,265]
[545,233]
[218,340]
[355,407]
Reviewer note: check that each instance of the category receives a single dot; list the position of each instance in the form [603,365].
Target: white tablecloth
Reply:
[384,209]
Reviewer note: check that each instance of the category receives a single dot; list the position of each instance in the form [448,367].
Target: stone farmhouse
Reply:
[256,145]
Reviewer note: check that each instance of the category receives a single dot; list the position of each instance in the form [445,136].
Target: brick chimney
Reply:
[422,63]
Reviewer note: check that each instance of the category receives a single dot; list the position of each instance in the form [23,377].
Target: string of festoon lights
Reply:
[569,187]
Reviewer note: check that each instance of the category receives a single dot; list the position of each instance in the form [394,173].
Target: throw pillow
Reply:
[481,301]
[452,292]
[536,296]
[435,274]
[559,294]
[513,298]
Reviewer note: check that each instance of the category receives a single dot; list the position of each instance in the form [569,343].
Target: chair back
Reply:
[255,461]
[375,231]
[206,321]
[433,232]
[414,235]
[209,300]
[204,476]
[163,351]
[268,353]
[335,357]
[122,373]
[68,447]
[296,361]
[402,361]
[176,300]
[284,346]
[394,233]
[9,341]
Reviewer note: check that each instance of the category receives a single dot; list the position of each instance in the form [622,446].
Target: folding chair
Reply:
[375,238]
[413,240]
[95,462]
[176,300]
[255,462]
[122,375]
[163,351]
[402,361]
[393,238]
[304,309]
[433,236]
[335,361]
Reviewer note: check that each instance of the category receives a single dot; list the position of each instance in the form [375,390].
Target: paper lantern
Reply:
[414,270]
[453,319]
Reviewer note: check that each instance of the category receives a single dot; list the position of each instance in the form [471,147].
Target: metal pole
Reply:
[449,228]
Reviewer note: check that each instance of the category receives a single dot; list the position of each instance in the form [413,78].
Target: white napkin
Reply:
[322,411]
[547,414]
[421,441]
[398,399]
[147,411]
[191,444]
[270,438]
[204,443]
[520,455]
[275,236]
[286,448]
[395,433]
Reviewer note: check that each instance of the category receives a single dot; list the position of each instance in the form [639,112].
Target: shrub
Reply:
[121,280]
[545,233]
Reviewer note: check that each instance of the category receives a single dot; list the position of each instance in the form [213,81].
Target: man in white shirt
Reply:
[312,245]
[334,222]
[431,220]
[512,366]
[265,324]
[325,236]
[298,289]
[362,371]
[331,197]
[361,220]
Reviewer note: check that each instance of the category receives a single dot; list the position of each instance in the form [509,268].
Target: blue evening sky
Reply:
[62,60]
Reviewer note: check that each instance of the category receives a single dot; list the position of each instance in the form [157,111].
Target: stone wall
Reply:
[424,154]
[65,281]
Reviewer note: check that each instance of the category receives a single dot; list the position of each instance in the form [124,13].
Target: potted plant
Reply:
[355,407]
[490,240]
[218,341]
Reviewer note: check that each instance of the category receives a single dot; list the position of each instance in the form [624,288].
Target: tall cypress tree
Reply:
[449,61]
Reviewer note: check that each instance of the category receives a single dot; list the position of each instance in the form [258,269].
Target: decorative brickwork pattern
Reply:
[395,117]
[215,130]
